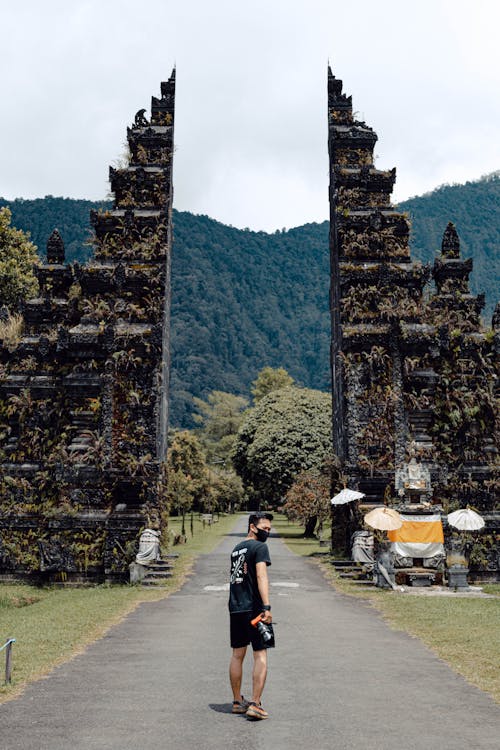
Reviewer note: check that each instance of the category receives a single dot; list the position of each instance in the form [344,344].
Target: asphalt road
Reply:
[339,678]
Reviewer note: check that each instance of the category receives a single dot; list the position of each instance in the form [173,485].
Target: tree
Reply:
[308,499]
[287,432]
[17,260]
[220,418]
[187,475]
[270,379]
[227,490]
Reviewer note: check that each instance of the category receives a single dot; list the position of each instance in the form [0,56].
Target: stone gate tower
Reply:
[412,373]
[84,391]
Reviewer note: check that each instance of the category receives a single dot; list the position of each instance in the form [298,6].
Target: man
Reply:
[248,598]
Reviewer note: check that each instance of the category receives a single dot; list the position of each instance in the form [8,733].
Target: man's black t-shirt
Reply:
[243,589]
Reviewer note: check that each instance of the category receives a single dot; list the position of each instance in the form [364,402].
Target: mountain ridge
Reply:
[245,299]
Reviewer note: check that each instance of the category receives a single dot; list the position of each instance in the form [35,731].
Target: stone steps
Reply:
[351,570]
[155,573]
[342,563]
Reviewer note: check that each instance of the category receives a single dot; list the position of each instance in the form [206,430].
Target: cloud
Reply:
[251,96]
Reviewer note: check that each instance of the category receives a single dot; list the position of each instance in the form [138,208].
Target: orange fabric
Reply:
[422,532]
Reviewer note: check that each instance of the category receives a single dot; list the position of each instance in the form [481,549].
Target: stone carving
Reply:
[413,477]
[55,248]
[140,121]
[406,367]
[55,557]
[149,547]
[76,443]
[450,246]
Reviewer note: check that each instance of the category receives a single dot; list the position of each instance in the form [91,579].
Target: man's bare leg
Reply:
[259,674]
[236,671]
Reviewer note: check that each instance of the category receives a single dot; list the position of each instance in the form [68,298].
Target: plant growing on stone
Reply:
[18,257]
[11,331]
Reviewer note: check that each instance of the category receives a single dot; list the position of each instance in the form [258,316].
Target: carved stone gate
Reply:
[83,392]
[410,368]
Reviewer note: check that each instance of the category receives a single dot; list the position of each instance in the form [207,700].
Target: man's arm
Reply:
[263,586]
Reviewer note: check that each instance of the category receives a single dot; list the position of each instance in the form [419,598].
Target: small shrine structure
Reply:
[411,365]
[84,391]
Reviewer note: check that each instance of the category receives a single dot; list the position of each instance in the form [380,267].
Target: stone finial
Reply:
[495,321]
[55,248]
[450,246]
[140,120]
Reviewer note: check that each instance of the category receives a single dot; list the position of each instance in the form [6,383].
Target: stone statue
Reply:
[413,477]
[140,121]
[149,547]
[384,568]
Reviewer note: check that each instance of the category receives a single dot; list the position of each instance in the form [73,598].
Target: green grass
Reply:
[464,632]
[51,625]
[491,588]
[293,536]
[204,539]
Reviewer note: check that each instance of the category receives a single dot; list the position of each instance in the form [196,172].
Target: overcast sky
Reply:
[251,135]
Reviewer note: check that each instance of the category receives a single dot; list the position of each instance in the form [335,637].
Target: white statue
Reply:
[149,547]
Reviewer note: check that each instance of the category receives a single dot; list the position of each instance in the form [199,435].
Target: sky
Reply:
[251,104]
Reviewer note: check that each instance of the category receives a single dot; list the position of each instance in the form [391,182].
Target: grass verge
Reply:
[293,536]
[464,632]
[51,625]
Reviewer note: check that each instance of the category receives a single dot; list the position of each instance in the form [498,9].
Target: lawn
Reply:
[293,536]
[465,632]
[53,624]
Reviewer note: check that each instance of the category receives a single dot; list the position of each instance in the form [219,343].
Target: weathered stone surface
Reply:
[84,406]
[408,367]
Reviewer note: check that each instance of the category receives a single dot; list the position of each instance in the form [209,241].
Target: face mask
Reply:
[262,535]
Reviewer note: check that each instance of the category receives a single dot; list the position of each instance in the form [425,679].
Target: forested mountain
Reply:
[41,216]
[242,300]
[474,208]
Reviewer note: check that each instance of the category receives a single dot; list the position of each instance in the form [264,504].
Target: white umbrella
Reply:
[346,496]
[466,519]
[384,519]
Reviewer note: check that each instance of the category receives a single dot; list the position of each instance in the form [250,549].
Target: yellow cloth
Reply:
[419,530]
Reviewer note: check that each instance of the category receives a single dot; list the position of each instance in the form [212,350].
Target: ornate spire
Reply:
[495,321]
[336,99]
[162,110]
[55,248]
[450,246]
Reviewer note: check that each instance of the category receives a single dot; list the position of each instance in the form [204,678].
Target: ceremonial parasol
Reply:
[466,519]
[346,496]
[384,519]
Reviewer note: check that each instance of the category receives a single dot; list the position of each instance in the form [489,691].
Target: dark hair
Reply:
[255,517]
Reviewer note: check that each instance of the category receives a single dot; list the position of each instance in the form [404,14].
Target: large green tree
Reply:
[287,432]
[17,260]
[220,417]
[187,475]
[270,379]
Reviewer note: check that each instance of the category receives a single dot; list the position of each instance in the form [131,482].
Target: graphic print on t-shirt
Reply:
[244,593]
[238,566]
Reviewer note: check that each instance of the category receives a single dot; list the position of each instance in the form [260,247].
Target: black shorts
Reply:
[242,633]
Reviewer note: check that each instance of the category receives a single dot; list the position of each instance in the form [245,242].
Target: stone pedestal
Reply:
[457,577]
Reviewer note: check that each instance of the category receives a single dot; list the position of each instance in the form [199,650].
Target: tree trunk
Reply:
[310,526]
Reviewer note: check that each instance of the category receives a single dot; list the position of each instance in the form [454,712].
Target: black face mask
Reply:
[262,535]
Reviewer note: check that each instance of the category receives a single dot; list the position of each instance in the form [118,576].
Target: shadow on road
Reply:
[221,708]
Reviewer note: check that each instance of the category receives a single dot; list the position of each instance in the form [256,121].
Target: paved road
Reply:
[339,679]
